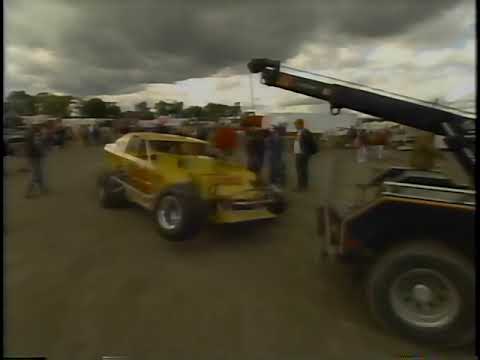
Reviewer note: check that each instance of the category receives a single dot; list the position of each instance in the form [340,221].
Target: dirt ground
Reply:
[83,282]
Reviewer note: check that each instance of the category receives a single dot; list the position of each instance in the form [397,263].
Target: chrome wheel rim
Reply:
[425,298]
[169,213]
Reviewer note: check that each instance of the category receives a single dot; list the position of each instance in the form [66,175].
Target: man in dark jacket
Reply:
[304,147]
[35,151]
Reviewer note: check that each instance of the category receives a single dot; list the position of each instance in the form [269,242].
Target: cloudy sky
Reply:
[196,51]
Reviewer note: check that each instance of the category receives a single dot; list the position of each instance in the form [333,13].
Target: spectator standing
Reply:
[83,131]
[202,133]
[90,135]
[255,151]
[97,135]
[303,147]
[361,145]
[36,152]
[382,140]
[226,140]
[352,135]
[60,136]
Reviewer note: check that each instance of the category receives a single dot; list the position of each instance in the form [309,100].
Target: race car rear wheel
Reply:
[110,193]
[178,216]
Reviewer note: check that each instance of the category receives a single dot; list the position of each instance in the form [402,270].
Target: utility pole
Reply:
[252,102]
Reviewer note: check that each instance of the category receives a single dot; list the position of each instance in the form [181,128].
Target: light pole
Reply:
[252,102]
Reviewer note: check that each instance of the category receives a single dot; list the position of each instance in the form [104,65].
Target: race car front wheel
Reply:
[178,216]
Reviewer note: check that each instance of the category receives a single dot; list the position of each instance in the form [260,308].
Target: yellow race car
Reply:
[183,182]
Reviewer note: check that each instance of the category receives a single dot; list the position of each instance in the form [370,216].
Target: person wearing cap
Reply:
[303,148]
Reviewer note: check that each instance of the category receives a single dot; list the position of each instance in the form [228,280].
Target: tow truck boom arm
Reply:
[459,130]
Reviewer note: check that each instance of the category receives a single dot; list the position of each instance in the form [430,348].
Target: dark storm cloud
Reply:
[383,18]
[113,47]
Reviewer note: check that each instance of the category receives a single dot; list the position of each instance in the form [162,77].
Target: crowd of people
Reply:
[90,134]
[265,149]
[364,141]
[39,140]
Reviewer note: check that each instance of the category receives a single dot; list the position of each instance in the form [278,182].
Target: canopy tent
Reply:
[37,119]
[84,121]
[315,122]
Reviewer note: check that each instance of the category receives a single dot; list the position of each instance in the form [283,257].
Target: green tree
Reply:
[54,105]
[214,112]
[192,112]
[174,108]
[94,108]
[113,111]
[143,111]
[21,102]
[142,107]
[148,116]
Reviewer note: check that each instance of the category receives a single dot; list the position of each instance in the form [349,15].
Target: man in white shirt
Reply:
[302,150]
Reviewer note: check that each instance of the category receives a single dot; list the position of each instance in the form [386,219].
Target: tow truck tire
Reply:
[426,291]
[110,193]
[178,216]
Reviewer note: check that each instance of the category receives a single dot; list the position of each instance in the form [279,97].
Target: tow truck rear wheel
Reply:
[426,291]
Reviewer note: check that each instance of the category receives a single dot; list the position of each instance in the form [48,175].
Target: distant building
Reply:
[38,119]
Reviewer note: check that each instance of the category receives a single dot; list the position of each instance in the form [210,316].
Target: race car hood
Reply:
[204,165]
[229,180]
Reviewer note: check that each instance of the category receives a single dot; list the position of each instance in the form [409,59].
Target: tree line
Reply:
[24,104]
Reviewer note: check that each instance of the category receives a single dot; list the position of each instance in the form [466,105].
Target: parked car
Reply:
[184,185]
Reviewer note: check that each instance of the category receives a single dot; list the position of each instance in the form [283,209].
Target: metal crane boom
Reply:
[458,128]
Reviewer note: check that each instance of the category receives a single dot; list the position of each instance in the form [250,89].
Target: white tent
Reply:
[37,119]
[148,123]
[378,125]
[169,121]
[82,121]
[315,122]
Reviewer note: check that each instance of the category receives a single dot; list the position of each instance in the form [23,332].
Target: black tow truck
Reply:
[417,233]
